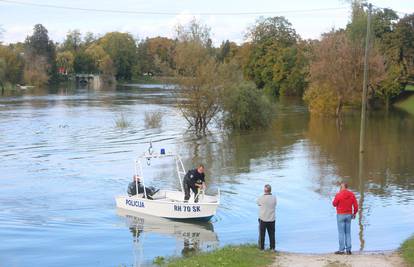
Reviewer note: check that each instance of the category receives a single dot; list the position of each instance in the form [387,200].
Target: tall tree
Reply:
[276,61]
[65,61]
[336,73]
[404,30]
[13,64]
[122,49]
[198,92]
[72,41]
[40,56]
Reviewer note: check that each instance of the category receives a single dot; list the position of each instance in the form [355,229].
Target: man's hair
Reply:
[344,184]
[200,166]
[268,188]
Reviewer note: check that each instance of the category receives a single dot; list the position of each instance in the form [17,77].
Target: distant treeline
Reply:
[326,72]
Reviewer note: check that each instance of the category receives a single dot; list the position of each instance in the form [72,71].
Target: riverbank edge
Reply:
[243,255]
[407,251]
[250,255]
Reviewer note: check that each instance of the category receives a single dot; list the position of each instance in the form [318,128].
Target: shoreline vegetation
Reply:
[273,60]
[241,256]
[407,251]
[248,255]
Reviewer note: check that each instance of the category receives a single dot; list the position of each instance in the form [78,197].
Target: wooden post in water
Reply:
[365,83]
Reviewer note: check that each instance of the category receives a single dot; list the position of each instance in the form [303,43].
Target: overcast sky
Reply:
[17,20]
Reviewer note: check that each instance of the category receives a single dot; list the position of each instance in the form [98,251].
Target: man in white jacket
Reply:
[267,207]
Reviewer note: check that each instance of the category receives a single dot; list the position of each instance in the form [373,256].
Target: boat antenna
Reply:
[150,151]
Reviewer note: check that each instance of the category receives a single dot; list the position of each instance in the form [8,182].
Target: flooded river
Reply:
[63,160]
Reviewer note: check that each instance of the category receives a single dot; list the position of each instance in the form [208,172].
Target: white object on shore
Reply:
[169,203]
[24,87]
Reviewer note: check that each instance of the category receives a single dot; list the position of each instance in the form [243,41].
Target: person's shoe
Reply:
[348,252]
[339,252]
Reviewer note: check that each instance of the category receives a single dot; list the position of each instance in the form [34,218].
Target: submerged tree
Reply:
[196,75]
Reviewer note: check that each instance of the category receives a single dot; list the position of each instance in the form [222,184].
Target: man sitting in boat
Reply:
[194,180]
[132,188]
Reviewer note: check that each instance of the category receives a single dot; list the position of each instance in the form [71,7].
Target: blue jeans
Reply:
[344,231]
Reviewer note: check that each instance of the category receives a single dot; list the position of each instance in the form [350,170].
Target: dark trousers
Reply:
[270,227]
[187,186]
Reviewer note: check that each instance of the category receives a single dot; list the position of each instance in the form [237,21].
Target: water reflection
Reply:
[387,160]
[384,169]
[190,237]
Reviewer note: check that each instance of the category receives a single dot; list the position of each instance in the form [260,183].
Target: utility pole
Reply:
[365,83]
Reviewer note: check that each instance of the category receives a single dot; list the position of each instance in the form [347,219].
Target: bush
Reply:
[153,119]
[321,100]
[122,122]
[246,107]
[407,249]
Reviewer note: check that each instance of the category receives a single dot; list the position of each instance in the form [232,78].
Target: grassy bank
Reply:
[407,105]
[409,87]
[407,250]
[243,255]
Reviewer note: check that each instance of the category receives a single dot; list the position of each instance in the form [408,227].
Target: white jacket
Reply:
[267,206]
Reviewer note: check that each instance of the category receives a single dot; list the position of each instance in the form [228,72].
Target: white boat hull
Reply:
[170,204]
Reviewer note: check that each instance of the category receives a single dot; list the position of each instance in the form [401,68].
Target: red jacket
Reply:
[344,201]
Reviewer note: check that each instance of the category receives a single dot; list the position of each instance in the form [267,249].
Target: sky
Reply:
[17,20]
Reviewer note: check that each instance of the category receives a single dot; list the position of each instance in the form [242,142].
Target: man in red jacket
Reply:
[344,202]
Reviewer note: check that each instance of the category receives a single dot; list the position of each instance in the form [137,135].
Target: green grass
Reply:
[407,250]
[243,256]
[407,105]
[122,122]
[409,87]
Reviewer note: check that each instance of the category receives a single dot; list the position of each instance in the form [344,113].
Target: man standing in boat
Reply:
[194,180]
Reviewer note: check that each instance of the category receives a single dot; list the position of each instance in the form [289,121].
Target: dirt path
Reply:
[386,259]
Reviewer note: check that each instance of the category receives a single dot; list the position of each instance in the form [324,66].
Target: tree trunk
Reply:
[387,103]
[339,107]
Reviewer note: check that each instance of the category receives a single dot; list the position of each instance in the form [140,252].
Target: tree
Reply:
[198,93]
[246,107]
[38,43]
[73,41]
[336,73]
[227,51]
[2,74]
[102,61]
[65,61]
[89,38]
[1,34]
[161,51]
[13,64]
[35,72]
[146,60]
[122,49]
[84,63]
[276,61]
[404,31]
[40,50]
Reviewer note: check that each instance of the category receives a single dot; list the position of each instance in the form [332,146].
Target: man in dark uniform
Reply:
[132,188]
[193,180]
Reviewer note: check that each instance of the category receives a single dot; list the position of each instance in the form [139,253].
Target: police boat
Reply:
[167,203]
